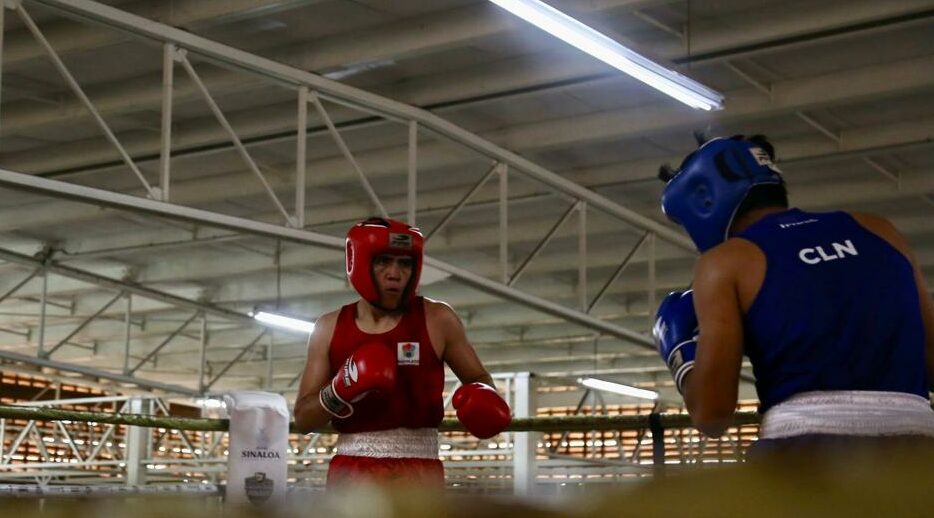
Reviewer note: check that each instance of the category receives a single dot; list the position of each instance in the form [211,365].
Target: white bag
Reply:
[257,471]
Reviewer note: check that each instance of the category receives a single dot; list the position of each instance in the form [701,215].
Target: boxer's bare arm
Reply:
[712,388]
[457,353]
[309,414]
[886,230]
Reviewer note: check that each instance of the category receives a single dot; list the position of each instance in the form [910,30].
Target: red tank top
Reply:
[416,401]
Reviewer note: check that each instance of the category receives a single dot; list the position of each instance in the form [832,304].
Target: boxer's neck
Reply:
[371,319]
[751,217]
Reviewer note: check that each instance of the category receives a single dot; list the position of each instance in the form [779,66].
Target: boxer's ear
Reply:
[665,173]
[763,142]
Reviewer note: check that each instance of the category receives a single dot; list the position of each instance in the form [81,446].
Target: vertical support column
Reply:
[300,157]
[203,356]
[650,251]
[582,255]
[42,303]
[503,171]
[126,333]
[136,443]
[413,156]
[269,361]
[165,149]
[658,444]
[524,449]
[2,31]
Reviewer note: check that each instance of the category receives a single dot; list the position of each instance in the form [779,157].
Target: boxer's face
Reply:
[392,274]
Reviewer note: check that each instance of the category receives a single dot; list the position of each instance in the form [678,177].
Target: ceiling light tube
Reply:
[618,388]
[606,49]
[283,321]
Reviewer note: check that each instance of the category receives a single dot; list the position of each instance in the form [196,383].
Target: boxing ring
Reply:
[43,445]
[661,485]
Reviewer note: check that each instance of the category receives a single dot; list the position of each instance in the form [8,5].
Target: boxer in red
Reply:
[375,367]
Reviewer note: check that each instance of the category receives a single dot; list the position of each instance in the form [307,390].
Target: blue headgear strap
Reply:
[704,194]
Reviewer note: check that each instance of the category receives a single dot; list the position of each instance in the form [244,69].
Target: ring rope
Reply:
[577,423]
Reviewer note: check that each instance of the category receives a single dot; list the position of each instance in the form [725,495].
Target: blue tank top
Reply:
[838,310]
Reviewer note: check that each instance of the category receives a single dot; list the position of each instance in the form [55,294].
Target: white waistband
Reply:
[398,443]
[848,412]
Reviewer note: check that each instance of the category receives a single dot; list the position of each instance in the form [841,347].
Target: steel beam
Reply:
[345,150]
[107,282]
[136,442]
[23,282]
[164,343]
[2,32]
[503,222]
[582,255]
[232,362]
[202,353]
[541,244]
[146,206]
[83,324]
[127,329]
[463,201]
[619,270]
[413,172]
[43,299]
[222,120]
[546,306]
[301,146]
[97,373]
[653,281]
[295,77]
[523,456]
[76,88]
[165,143]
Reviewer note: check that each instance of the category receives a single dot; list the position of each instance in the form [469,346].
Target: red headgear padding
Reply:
[376,236]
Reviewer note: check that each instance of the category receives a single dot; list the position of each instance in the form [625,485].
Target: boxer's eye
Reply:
[385,261]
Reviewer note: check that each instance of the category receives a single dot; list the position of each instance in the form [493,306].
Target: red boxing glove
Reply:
[371,367]
[481,410]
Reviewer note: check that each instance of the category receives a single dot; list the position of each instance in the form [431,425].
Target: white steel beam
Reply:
[345,150]
[97,373]
[524,456]
[135,204]
[76,88]
[297,78]
[442,30]
[165,151]
[231,133]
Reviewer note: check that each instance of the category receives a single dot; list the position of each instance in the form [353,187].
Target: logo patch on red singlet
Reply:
[407,353]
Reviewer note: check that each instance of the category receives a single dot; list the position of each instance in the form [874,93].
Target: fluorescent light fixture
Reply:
[617,388]
[606,49]
[283,321]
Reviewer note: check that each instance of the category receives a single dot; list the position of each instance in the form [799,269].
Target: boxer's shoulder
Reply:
[883,228]
[728,257]
[327,320]
[437,310]
[325,325]
[737,265]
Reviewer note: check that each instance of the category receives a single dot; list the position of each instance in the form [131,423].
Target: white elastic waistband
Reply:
[848,412]
[398,443]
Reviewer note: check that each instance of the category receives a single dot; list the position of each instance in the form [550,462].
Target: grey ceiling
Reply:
[842,87]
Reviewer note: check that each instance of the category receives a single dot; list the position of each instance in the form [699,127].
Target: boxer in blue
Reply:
[830,307]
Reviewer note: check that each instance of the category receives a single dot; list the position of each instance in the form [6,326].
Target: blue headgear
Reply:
[712,182]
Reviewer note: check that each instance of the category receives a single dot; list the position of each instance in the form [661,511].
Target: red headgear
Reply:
[376,236]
